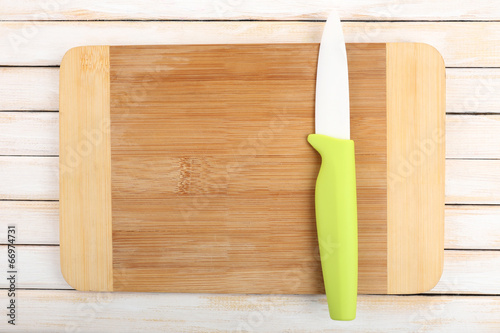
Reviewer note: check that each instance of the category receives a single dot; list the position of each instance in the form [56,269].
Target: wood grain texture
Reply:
[415,167]
[473,137]
[38,267]
[232,169]
[90,312]
[220,201]
[368,107]
[18,90]
[29,88]
[36,178]
[85,170]
[113,312]
[29,133]
[37,222]
[29,178]
[36,133]
[472,227]
[253,10]
[471,44]
[470,272]
[466,227]
[473,90]
[476,181]
[229,179]
[465,272]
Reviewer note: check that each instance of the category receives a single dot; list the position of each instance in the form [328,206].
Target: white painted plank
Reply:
[29,178]
[254,10]
[37,267]
[470,272]
[29,133]
[70,311]
[472,181]
[466,227]
[29,88]
[472,227]
[468,90]
[36,178]
[37,222]
[44,43]
[465,272]
[473,90]
[37,133]
[472,136]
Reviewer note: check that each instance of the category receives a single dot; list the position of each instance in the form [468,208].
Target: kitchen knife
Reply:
[336,208]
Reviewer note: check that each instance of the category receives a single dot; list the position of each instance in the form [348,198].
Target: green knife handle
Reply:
[337,223]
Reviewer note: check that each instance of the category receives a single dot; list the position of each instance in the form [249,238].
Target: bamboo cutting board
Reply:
[185,168]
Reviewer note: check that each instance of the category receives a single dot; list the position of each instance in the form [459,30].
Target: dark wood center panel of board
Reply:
[213,179]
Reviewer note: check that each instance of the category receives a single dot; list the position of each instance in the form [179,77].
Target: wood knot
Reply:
[186,170]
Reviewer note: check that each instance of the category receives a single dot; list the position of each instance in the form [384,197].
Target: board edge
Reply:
[84,169]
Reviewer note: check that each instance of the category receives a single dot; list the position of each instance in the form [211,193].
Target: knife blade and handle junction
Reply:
[336,220]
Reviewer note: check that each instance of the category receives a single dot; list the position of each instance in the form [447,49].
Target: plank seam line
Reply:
[257,20]
[30,200]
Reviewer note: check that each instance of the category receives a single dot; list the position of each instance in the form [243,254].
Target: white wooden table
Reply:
[35,35]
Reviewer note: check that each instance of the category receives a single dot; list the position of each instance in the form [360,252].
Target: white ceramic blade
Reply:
[332,83]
